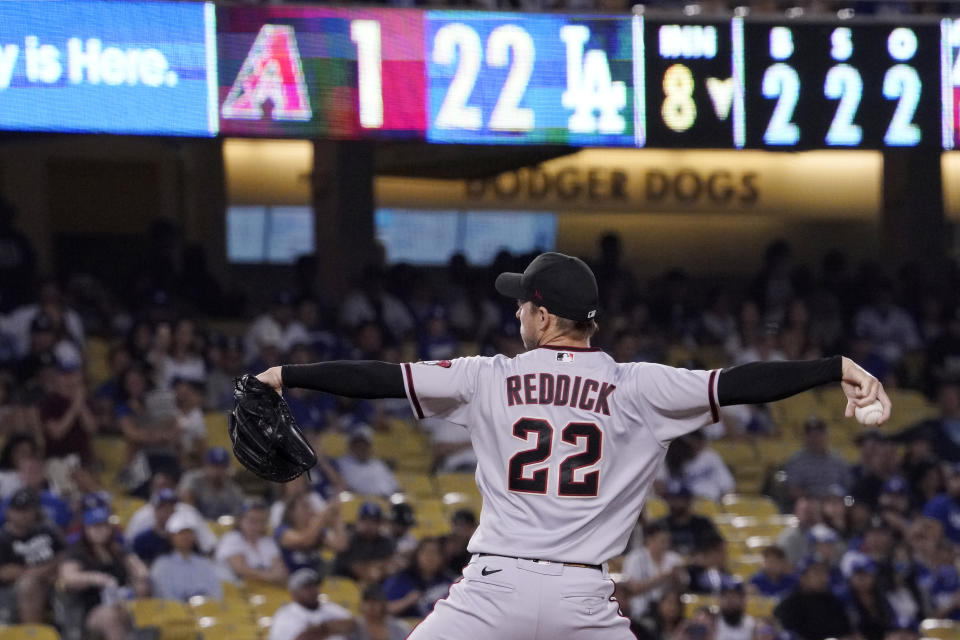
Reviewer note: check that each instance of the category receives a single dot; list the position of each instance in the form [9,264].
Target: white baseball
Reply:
[869,414]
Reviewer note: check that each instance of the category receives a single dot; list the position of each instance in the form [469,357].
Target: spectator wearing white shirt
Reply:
[278,326]
[700,468]
[889,326]
[182,573]
[452,448]
[649,570]
[733,623]
[188,395]
[145,518]
[361,471]
[306,617]
[247,552]
[183,361]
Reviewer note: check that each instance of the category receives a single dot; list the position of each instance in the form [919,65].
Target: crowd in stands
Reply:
[858,541]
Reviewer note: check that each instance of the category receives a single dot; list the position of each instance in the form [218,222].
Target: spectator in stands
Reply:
[183,573]
[375,621]
[18,269]
[945,583]
[30,552]
[183,360]
[361,471]
[888,325]
[368,554]
[372,303]
[248,552]
[277,328]
[942,433]
[65,414]
[97,566]
[304,530]
[400,522]
[774,580]
[905,601]
[812,612]
[825,547]
[437,342]
[145,517]
[945,508]
[31,476]
[814,470]
[942,361]
[704,471]
[651,569]
[411,593]
[223,369]
[664,617]
[707,567]
[297,486]
[734,623]
[66,323]
[210,488]
[110,392]
[154,542]
[463,523]
[42,340]
[894,505]
[867,608]
[17,447]
[311,409]
[878,463]
[306,617]
[687,529]
[188,395]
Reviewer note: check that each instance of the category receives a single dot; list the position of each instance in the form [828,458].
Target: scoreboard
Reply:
[446,76]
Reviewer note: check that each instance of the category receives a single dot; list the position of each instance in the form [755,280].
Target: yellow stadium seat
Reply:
[29,632]
[940,629]
[745,566]
[417,484]
[123,509]
[227,609]
[217,434]
[266,599]
[342,591]
[910,407]
[216,629]
[761,606]
[111,452]
[453,502]
[654,509]
[749,505]
[704,507]
[692,602]
[233,592]
[332,444]
[735,452]
[457,482]
[174,619]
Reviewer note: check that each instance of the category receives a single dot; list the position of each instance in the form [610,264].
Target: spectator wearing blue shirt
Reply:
[945,584]
[412,592]
[182,573]
[774,579]
[945,508]
[155,541]
[31,475]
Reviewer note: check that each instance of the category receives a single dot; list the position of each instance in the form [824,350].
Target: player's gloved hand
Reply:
[862,389]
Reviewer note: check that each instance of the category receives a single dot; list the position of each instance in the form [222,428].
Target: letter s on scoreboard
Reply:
[519,79]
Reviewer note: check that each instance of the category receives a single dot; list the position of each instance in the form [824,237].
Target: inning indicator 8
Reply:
[691,75]
[849,85]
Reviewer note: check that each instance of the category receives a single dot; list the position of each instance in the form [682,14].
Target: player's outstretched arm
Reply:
[350,378]
[759,382]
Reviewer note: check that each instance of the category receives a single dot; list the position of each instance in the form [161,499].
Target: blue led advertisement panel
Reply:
[108,67]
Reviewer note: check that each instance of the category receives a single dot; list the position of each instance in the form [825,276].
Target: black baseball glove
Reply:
[266,439]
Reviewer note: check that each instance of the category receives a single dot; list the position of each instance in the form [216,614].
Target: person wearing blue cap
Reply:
[154,542]
[211,489]
[95,574]
[687,529]
[945,508]
[369,552]
[812,612]
[869,610]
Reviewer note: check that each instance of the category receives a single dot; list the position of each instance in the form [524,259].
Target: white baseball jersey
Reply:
[568,442]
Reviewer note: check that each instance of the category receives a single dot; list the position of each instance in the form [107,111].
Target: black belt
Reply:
[566,564]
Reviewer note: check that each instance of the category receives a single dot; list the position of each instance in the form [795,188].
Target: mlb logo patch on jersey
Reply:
[564,356]
[446,364]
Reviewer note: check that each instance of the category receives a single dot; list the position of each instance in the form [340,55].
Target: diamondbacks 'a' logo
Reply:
[446,364]
[564,356]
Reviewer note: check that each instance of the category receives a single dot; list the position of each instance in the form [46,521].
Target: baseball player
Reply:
[568,443]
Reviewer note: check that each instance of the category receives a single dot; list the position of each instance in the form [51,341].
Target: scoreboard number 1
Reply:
[366,35]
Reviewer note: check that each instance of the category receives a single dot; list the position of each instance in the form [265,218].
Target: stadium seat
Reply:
[342,591]
[940,629]
[217,434]
[761,606]
[227,609]
[233,592]
[123,509]
[216,629]
[417,484]
[704,507]
[29,632]
[97,357]
[350,505]
[174,619]
[332,444]
[654,509]
[111,452]
[454,501]
[456,482]
[266,599]
[749,505]
[692,603]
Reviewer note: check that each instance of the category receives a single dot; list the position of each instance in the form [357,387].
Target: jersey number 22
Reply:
[543,447]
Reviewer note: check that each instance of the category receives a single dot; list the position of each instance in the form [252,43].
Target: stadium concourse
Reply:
[123,510]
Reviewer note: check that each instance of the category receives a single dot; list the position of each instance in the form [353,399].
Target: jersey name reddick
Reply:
[560,391]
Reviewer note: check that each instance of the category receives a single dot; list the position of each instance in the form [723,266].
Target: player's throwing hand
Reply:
[862,389]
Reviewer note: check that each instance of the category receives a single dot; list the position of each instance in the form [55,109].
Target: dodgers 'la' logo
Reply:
[596,100]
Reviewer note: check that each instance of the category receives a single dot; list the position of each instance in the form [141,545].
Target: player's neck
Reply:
[563,340]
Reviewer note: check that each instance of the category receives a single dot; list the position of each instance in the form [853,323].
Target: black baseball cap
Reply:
[563,284]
